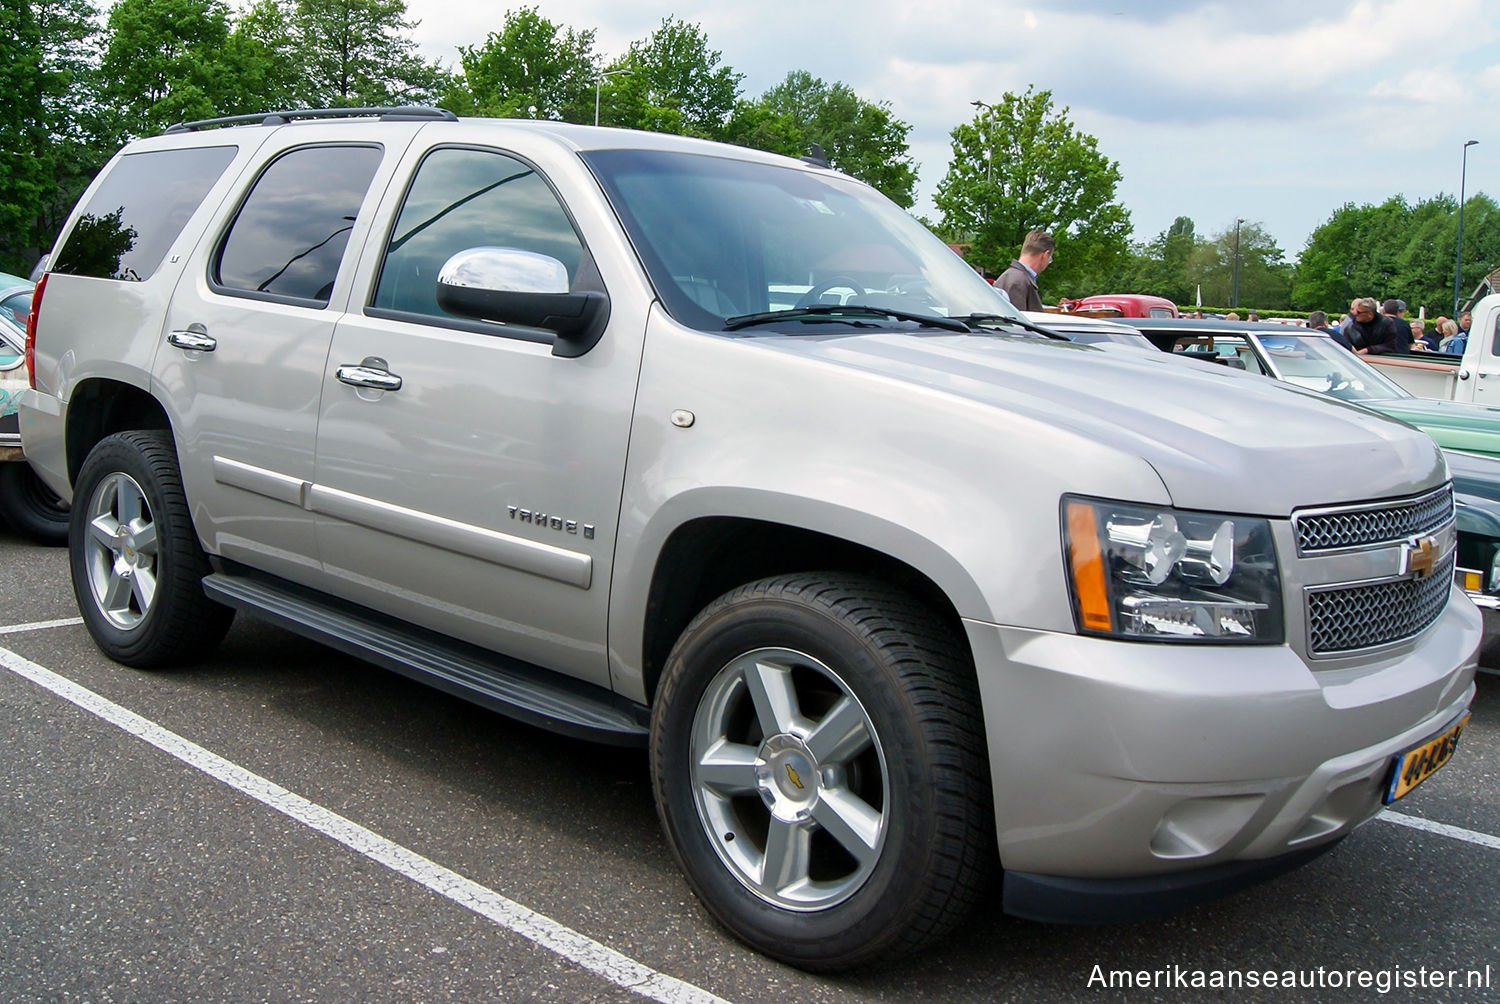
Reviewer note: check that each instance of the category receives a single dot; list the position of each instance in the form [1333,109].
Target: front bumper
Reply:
[1120,760]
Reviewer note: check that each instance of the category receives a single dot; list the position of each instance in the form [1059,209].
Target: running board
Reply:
[513,688]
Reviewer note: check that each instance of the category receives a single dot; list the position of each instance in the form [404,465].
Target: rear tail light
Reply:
[36,312]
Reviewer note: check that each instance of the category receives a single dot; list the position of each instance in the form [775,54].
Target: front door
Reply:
[469,480]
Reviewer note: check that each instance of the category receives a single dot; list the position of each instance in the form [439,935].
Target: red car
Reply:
[1128,304]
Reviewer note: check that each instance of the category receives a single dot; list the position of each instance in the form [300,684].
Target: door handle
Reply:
[194,338]
[370,373]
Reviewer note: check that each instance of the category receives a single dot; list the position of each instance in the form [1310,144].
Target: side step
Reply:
[513,688]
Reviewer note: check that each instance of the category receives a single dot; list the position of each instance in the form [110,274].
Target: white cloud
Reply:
[1277,111]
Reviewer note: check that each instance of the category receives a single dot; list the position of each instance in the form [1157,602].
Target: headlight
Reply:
[1163,574]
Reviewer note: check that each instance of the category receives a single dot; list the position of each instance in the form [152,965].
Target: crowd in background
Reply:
[1378,329]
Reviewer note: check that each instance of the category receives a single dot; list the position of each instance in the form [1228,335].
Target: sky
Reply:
[1277,112]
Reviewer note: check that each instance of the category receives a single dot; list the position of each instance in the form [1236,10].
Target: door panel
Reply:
[479,499]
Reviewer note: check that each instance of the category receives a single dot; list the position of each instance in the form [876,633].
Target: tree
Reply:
[859,137]
[55,125]
[531,68]
[1021,166]
[267,58]
[675,83]
[1397,250]
[358,53]
[25,179]
[163,62]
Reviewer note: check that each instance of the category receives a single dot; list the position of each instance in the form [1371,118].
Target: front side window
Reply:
[463,198]
[288,238]
[138,210]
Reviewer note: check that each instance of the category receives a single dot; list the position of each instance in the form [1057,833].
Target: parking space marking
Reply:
[40,625]
[579,949]
[1442,829]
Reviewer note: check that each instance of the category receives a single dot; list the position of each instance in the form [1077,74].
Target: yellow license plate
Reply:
[1422,761]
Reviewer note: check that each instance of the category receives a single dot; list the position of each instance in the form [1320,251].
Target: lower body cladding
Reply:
[1131,779]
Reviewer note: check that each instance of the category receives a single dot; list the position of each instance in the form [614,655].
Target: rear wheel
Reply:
[819,768]
[137,567]
[32,507]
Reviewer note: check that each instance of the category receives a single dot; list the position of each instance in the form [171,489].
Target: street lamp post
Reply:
[599,84]
[1234,295]
[1458,257]
[989,151]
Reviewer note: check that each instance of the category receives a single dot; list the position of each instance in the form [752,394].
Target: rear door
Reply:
[247,335]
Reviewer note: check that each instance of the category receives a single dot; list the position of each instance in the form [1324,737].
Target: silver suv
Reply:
[659,442]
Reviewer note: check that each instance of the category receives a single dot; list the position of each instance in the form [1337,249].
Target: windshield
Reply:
[724,238]
[1323,365]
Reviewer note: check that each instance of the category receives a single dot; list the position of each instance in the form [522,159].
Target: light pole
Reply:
[599,84]
[989,152]
[1458,257]
[1234,296]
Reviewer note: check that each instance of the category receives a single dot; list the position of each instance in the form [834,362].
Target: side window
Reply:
[138,210]
[288,238]
[462,199]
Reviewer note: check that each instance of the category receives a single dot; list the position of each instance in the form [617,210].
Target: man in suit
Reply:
[1019,280]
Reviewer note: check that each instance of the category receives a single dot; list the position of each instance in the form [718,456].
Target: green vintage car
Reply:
[1468,433]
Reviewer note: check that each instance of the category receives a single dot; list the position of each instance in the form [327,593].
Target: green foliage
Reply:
[675,84]
[267,57]
[164,62]
[1019,166]
[860,138]
[55,130]
[356,53]
[24,179]
[531,68]
[1398,250]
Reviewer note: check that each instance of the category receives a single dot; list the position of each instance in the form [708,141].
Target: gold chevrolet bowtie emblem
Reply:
[791,772]
[1420,557]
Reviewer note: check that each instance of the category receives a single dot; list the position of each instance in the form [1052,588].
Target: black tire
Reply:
[137,567]
[31,507]
[861,658]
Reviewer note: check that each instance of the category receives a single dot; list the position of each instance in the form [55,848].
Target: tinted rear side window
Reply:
[139,210]
[289,236]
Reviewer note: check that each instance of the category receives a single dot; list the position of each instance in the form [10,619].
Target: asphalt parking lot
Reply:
[283,823]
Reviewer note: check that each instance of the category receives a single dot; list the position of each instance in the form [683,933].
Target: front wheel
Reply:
[819,768]
[137,567]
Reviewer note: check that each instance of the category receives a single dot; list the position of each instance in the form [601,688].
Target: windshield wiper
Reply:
[1020,322]
[830,311]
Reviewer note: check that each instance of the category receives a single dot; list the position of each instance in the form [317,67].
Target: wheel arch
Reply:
[102,407]
[706,556]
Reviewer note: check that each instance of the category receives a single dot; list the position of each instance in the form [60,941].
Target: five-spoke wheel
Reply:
[818,761]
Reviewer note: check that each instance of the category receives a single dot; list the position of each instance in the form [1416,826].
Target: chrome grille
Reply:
[1378,523]
[1353,617]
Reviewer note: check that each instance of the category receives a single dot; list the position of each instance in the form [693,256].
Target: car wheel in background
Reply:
[30,506]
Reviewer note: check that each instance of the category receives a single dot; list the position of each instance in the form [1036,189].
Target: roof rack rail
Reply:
[401,113]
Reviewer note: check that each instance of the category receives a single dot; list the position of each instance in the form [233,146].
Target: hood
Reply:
[1473,428]
[1220,439]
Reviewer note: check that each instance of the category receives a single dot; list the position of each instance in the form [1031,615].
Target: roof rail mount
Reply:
[401,113]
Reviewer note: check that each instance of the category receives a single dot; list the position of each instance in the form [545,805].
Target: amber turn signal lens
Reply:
[1088,568]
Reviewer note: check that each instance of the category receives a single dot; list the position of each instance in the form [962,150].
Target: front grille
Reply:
[1354,617]
[1378,523]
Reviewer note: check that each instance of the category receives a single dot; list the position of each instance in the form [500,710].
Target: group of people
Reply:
[1369,328]
[1378,329]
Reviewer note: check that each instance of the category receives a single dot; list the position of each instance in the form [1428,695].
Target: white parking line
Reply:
[40,625]
[1442,829]
[583,951]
